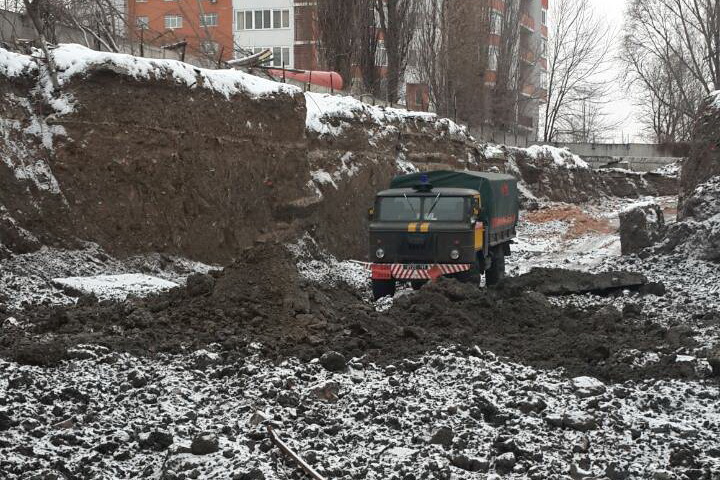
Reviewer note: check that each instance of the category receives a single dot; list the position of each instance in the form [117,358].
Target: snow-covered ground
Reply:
[452,413]
[30,279]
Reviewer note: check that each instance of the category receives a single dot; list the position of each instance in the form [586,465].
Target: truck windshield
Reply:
[428,209]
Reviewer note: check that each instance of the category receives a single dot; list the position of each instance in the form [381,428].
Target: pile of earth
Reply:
[704,160]
[260,299]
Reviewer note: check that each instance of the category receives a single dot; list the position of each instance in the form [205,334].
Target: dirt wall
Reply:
[704,160]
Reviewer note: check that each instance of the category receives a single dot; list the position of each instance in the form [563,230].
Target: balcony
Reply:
[527,22]
[527,56]
[528,91]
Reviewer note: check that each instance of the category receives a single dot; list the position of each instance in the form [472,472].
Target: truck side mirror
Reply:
[371,213]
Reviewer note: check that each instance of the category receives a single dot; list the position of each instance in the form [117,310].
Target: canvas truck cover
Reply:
[498,192]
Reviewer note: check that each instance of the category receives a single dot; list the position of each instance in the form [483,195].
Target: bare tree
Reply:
[367,46]
[397,19]
[337,31]
[431,45]
[671,49]
[578,53]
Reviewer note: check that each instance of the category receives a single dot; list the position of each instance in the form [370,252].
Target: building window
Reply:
[209,20]
[493,53]
[281,56]
[286,19]
[262,19]
[543,48]
[277,19]
[544,17]
[143,23]
[495,23]
[173,21]
[140,1]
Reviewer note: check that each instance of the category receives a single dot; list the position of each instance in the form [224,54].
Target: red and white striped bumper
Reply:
[401,271]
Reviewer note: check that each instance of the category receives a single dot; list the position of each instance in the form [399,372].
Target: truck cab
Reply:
[420,231]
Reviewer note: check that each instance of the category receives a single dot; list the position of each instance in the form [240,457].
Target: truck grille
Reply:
[417,248]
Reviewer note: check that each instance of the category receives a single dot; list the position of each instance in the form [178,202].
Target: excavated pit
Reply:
[261,299]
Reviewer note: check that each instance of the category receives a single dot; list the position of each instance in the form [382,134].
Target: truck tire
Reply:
[497,269]
[383,288]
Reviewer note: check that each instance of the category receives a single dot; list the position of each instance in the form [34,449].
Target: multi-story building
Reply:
[206,25]
[265,24]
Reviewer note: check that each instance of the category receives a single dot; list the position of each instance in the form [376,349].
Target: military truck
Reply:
[442,223]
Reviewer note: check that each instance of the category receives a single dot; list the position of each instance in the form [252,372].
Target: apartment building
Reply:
[206,25]
[265,24]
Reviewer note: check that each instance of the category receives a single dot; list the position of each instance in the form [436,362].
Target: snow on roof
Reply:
[322,107]
[14,64]
[562,157]
[74,60]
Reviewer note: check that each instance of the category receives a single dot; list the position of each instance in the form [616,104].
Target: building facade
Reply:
[265,24]
[206,25]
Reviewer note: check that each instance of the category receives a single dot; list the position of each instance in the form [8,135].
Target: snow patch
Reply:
[14,64]
[562,157]
[116,287]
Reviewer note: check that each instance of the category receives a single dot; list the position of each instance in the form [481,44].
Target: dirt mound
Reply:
[704,160]
[260,299]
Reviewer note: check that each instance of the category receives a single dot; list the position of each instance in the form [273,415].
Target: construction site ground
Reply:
[448,382]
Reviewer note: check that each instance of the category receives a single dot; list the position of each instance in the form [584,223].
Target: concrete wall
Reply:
[644,150]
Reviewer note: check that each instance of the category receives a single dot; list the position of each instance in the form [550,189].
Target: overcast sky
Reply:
[621,108]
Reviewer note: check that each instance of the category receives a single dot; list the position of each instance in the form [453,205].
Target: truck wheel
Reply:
[383,288]
[497,268]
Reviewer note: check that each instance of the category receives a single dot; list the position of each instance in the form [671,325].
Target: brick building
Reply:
[206,25]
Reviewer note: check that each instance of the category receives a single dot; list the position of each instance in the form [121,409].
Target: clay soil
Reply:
[581,223]
[260,299]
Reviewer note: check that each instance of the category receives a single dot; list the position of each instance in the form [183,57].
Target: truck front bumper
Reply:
[404,271]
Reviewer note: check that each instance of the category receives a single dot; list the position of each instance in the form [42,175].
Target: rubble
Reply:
[557,281]
[641,227]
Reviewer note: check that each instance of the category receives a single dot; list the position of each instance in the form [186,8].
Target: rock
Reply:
[137,379]
[577,420]
[328,391]
[586,387]
[640,228]
[199,284]
[582,445]
[157,440]
[202,359]
[714,360]
[254,474]
[577,472]
[505,462]
[683,457]
[6,421]
[205,443]
[663,475]
[466,463]
[653,288]
[559,281]
[333,361]
[443,436]
[615,471]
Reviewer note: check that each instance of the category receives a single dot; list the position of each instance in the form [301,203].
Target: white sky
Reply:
[621,108]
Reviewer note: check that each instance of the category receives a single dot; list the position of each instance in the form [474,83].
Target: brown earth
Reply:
[581,222]
[259,298]
[704,160]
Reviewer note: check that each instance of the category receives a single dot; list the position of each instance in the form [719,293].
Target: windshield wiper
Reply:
[427,215]
[411,207]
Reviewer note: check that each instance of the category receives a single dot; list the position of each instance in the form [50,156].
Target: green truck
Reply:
[442,223]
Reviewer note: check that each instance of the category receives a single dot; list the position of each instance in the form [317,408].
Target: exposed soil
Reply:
[260,299]
[581,223]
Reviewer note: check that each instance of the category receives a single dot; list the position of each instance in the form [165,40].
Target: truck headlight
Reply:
[379,253]
[454,254]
